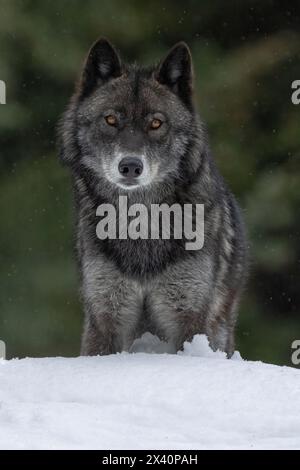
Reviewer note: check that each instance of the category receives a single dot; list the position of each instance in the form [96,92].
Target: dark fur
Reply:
[132,286]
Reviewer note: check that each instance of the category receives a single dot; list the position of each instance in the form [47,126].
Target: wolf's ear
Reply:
[102,64]
[176,71]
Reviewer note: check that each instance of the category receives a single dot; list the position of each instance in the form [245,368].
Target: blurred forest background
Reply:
[246,55]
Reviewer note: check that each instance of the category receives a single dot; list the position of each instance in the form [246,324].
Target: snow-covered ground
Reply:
[196,399]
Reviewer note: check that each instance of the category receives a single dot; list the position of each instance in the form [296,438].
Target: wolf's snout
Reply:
[131,167]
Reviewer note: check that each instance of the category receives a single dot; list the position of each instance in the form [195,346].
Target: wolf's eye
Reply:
[111,120]
[155,123]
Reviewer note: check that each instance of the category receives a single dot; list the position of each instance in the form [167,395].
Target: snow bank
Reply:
[196,399]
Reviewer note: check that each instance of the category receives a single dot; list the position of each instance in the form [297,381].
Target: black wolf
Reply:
[135,131]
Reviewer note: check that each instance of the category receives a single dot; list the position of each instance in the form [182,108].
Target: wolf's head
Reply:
[130,128]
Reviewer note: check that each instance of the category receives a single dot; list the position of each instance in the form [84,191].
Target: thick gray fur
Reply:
[132,286]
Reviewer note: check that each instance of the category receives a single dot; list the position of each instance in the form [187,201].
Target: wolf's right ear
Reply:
[176,72]
[102,64]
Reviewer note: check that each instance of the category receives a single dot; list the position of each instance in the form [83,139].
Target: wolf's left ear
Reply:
[102,64]
[176,71]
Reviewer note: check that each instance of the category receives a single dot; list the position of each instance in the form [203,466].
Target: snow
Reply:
[196,399]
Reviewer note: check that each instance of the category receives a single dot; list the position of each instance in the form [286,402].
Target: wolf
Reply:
[135,131]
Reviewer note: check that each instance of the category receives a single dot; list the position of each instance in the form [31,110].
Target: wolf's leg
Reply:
[185,302]
[98,340]
[179,300]
[113,305]
[222,319]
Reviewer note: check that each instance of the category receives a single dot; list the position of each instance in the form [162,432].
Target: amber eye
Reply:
[155,123]
[111,120]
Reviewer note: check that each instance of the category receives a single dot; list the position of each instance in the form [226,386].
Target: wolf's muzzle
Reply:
[130,167]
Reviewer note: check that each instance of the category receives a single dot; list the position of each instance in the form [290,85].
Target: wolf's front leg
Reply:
[186,302]
[99,335]
[190,299]
[179,300]
[113,306]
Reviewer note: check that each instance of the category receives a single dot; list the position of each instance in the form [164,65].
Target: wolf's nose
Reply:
[130,167]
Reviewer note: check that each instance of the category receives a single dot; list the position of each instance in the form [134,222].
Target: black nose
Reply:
[131,167]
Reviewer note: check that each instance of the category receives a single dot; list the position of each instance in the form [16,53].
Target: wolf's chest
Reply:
[142,257]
